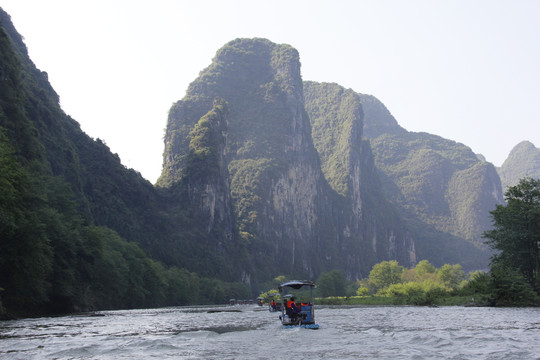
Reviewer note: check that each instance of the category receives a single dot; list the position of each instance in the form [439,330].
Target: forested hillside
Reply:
[67,207]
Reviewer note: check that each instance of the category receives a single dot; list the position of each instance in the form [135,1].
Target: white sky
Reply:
[467,70]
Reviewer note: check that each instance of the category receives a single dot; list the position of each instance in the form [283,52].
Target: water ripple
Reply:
[251,332]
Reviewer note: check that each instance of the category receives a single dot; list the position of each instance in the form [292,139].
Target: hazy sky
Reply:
[465,70]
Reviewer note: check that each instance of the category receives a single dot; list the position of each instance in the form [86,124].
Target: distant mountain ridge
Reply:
[523,161]
[440,180]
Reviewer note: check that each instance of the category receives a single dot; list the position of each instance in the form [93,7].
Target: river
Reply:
[251,332]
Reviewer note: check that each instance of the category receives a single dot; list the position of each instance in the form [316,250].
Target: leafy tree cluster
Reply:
[52,262]
[419,285]
[515,267]
[203,159]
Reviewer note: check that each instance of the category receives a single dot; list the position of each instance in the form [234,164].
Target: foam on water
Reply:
[251,332]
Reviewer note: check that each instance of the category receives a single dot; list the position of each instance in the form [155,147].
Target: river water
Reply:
[251,332]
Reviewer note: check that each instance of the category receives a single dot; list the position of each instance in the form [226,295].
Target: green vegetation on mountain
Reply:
[67,205]
[334,113]
[523,161]
[437,187]
[336,118]
[439,183]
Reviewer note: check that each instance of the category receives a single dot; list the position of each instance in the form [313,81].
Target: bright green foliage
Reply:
[424,268]
[405,286]
[409,291]
[269,295]
[451,275]
[416,293]
[384,274]
[362,291]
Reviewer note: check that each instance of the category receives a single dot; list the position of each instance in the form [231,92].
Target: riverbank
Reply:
[388,300]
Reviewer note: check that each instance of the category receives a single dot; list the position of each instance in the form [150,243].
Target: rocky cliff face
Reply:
[208,186]
[337,119]
[437,181]
[287,215]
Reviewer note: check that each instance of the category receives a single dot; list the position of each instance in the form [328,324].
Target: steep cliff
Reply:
[288,216]
[337,119]
[439,193]
[435,181]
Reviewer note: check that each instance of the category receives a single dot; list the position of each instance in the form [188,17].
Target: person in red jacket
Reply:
[292,310]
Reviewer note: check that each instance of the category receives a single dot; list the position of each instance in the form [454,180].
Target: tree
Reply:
[451,275]
[331,283]
[478,283]
[423,268]
[362,291]
[510,288]
[26,255]
[384,274]
[516,233]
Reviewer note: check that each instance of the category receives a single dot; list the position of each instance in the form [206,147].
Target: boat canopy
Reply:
[296,284]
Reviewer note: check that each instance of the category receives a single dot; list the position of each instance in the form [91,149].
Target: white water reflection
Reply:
[251,332]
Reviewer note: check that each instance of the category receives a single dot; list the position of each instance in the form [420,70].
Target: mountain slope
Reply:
[523,161]
[441,189]
[73,219]
[438,181]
